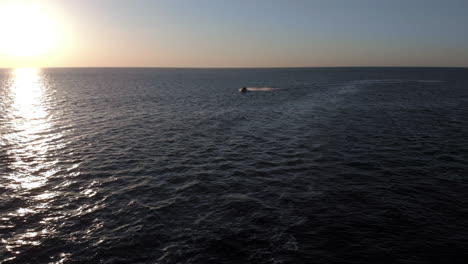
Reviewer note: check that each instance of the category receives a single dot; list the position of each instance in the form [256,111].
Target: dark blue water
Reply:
[333,165]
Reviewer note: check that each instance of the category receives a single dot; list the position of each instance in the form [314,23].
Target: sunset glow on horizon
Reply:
[208,33]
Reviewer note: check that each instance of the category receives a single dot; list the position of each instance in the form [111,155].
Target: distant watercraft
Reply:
[243,89]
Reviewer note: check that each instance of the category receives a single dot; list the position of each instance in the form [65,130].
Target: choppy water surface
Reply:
[364,165]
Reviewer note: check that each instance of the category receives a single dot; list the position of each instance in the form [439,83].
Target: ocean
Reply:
[160,165]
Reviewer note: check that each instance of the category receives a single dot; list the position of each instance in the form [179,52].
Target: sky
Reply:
[236,33]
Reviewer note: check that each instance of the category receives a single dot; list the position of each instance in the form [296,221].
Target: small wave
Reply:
[430,81]
[395,81]
[261,89]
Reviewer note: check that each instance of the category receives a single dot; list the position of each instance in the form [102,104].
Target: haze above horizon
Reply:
[210,33]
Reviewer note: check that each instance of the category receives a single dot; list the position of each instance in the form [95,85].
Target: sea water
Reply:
[311,165]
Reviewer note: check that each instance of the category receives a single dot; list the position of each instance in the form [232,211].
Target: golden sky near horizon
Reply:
[210,33]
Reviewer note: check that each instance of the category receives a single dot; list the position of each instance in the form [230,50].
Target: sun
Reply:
[27,30]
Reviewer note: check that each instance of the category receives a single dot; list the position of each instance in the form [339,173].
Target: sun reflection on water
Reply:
[30,143]
[34,141]
[28,91]
[29,122]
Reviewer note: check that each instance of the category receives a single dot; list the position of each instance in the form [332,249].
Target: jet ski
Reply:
[243,89]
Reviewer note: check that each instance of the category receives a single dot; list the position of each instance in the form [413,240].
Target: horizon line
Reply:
[178,67]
